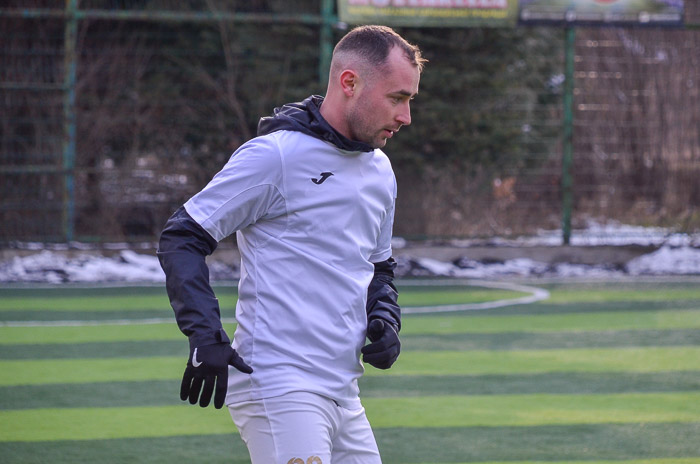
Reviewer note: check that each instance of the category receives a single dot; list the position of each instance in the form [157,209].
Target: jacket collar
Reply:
[305,116]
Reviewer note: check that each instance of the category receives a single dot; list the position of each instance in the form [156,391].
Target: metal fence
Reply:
[87,155]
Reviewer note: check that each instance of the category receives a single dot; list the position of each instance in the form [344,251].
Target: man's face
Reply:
[382,104]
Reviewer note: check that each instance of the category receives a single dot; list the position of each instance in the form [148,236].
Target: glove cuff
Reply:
[209,338]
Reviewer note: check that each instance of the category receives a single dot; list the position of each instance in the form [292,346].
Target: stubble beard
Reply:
[361,129]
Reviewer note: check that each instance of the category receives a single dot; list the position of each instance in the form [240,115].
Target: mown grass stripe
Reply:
[74,298]
[105,350]
[545,307]
[34,372]
[412,325]
[549,340]
[166,312]
[590,443]
[11,314]
[501,322]
[41,315]
[226,448]
[448,342]
[529,410]
[109,423]
[552,383]
[165,392]
[577,444]
[92,395]
[421,412]
[128,301]
[625,461]
[540,361]
[637,292]
[103,290]
[144,299]
[412,296]
[98,333]
[28,372]
[124,303]
[574,360]
[126,298]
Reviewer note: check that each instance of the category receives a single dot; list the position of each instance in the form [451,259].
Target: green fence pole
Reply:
[568,146]
[69,131]
[326,46]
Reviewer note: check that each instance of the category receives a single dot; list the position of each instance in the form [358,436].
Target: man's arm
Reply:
[182,251]
[382,296]
[383,317]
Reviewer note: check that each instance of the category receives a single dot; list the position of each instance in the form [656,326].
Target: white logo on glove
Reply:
[195,363]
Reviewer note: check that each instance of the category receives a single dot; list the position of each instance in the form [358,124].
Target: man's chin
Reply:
[379,143]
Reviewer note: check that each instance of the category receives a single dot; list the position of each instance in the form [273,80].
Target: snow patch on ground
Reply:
[53,267]
[665,261]
[677,254]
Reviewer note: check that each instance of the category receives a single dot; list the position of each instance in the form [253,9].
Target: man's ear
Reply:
[348,82]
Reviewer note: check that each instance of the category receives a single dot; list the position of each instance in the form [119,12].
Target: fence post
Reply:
[69,130]
[326,46]
[567,150]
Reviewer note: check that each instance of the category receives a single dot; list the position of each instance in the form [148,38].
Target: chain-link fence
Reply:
[114,112]
[637,126]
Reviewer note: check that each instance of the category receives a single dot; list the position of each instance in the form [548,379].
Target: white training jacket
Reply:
[310,220]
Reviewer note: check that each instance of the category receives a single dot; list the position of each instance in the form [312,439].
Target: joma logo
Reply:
[322,179]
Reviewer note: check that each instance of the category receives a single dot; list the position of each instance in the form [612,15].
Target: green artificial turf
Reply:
[426,411]
[650,359]
[500,321]
[166,392]
[601,373]
[409,342]
[142,299]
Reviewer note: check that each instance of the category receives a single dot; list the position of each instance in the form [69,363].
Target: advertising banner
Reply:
[602,12]
[430,13]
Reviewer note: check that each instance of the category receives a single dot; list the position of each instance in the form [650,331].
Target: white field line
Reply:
[151,321]
[162,320]
[535,294]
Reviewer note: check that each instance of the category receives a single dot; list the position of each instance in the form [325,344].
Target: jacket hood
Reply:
[305,116]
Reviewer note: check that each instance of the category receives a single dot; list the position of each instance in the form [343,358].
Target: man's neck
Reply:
[329,111]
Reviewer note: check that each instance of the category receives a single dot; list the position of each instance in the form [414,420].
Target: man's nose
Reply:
[404,116]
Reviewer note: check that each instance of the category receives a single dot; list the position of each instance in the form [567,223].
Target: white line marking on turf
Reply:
[535,294]
[161,320]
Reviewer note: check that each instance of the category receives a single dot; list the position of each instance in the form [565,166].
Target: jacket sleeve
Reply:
[382,296]
[182,251]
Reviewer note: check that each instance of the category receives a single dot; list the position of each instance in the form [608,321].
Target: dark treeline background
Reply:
[161,105]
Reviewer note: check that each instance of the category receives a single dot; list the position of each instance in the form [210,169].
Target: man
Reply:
[312,202]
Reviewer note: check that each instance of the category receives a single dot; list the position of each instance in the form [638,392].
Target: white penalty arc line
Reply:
[535,295]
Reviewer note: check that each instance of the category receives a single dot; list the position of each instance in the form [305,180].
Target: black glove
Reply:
[208,365]
[385,346]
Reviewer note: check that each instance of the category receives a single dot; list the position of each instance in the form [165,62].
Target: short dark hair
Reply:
[373,43]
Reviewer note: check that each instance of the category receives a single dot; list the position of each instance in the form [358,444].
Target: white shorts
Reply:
[304,428]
